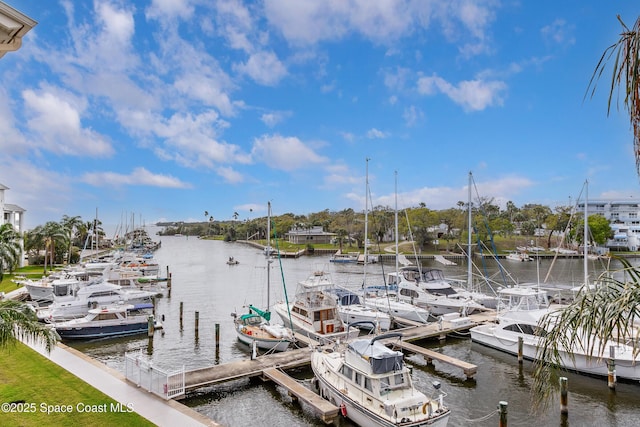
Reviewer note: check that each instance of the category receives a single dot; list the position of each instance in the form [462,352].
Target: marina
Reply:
[219,370]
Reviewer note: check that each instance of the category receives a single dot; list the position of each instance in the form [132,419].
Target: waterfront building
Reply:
[12,214]
[624,218]
[313,235]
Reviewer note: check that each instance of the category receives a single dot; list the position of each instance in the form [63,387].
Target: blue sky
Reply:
[165,109]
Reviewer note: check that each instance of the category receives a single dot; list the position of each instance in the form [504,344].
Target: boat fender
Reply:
[343,409]
[426,409]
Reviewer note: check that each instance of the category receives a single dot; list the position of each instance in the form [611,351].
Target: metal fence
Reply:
[140,371]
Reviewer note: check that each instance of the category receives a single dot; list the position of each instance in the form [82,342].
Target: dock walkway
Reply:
[323,407]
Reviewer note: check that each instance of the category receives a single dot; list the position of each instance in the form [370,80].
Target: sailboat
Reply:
[254,327]
[385,298]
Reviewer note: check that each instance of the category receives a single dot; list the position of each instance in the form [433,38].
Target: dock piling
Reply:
[181,311]
[217,336]
[520,349]
[150,326]
[564,396]
[502,406]
[611,364]
[197,323]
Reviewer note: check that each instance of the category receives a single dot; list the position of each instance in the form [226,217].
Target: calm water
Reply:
[203,282]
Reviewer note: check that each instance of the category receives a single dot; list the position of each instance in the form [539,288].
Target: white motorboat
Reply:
[387,301]
[373,387]
[428,288]
[353,311]
[518,316]
[313,313]
[81,300]
[109,321]
[519,256]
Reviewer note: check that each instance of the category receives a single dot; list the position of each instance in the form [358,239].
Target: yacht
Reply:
[313,313]
[518,316]
[373,387]
[81,300]
[353,311]
[428,288]
[109,321]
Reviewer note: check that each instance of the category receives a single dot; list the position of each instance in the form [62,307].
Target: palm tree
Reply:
[9,248]
[609,312]
[19,322]
[52,233]
[71,225]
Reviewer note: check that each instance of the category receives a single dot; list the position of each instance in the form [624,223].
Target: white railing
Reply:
[140,371]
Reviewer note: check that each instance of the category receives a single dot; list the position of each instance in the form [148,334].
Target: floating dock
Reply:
[272,366]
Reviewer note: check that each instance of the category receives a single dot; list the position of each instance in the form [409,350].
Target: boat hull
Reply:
[92,332]
[493,336]
[263,343]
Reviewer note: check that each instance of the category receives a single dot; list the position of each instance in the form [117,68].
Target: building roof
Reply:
[8,207]
[3,187]
[13,26]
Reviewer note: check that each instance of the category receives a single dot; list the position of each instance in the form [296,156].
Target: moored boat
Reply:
[254,328]
[373,387]
[109,321]
[518,317]
[313,313]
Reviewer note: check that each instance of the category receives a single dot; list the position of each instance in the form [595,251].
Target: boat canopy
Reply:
[264,314]
[380,358]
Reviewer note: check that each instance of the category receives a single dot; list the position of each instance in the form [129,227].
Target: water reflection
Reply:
[203,282]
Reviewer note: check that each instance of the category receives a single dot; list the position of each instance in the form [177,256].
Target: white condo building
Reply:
[624,218]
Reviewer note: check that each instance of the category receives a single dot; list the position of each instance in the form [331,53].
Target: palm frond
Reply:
[18,322]
[591,322]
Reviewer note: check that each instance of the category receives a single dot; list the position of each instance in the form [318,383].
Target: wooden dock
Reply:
[297,391]
[272,366]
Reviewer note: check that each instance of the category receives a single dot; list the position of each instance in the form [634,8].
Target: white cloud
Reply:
[558,32]
[472,95]
[169,9]
[57,126]
[230,175]
[264,68]
[501,190]
[138,177]
[284,153]
[275,117]
[374,133]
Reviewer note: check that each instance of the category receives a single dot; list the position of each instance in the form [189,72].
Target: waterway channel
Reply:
[203,282]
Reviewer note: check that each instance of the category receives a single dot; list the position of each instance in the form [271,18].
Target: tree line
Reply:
[420,224]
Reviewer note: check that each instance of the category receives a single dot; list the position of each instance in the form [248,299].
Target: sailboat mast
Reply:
[267,254]
[396,220]
[469,269]
[366,221]
[586,233]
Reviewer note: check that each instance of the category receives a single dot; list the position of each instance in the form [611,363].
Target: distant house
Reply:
[313,235]
[12,214]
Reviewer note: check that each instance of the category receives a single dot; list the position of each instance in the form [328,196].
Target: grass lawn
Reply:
[30,272]
[28,377]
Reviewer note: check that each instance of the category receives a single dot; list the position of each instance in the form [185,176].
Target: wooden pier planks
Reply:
[469,369]
[245,368]
[326,410]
